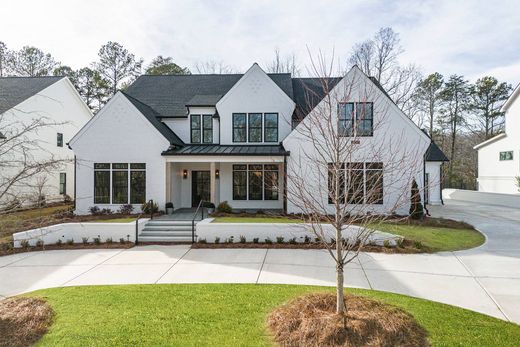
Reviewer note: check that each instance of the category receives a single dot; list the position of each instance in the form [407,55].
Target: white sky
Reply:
[473,38]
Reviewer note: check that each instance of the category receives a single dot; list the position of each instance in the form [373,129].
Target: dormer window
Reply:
[356,119]
[255,127]
[201,127]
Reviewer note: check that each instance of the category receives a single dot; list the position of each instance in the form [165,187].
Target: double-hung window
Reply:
[239,127]
[255,182]
[59,139]
[119,183]
[270,127]
[63,183]
[254,123]
[356,119]
[195,128]
[201,127]
[207,128]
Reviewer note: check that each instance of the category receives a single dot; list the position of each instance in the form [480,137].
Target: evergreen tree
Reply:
[31,62]
[428,96]
[165,66]
[416,206]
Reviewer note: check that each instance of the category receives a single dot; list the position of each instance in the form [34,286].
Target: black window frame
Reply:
[249,171]
[249,127]
[105,169]
[266,128]
[354,120]
[59,139]
[120,191]
[253,187]
[239,170]
[356,178]
[504,156]
[63,183]
[204,128]
[197,129]
[239,128]
[364,120]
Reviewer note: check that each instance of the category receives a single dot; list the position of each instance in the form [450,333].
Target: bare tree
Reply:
[31,62]
[378,57]
[4,57]
[285,64]
[213,67]
[360,174]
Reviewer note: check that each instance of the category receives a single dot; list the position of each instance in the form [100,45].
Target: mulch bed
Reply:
[115,245]
[311,320]
[23,321]
[407,247]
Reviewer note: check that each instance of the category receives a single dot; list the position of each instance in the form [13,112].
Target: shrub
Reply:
[69,242]
[400,242]
[97,240]
[230,239]
[224,207]
[242,239]
[150,207]
[24,244]
[217,239]
[416,207]
[418,244]
[268,241]
[279,239]
[67,199]
[109,240]
[84,240]
[317,239]
[39,243]
[292,241]
[94,210]
[126,209]
[208,204]
[306,239]
[202,241]
[122,241]
[386,243]
[59,242]
[256,239]
[106,211]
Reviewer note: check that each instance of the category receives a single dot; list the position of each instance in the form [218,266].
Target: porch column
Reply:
[168,184]
[213,182]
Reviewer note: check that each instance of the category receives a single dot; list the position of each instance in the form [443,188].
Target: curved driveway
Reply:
[485,279]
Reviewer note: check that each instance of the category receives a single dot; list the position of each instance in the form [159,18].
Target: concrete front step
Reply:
[172,228]
[169,222]
[166,231]
[165,238]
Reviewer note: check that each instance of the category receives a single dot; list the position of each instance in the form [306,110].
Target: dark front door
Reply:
[200,187]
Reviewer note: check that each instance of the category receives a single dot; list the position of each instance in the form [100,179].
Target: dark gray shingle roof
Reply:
[434,153]
[14,90]
[152,116]
[308,92]
[228,150]
[169,94]
[203,100]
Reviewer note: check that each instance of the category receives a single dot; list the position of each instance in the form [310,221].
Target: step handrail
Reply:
[137,229]
[193,220]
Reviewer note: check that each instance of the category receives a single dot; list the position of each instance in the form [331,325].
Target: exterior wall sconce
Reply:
[2,136]
[184,173]
[217,173]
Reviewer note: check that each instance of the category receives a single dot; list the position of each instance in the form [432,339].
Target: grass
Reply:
[436,239]
[267,219]
[115,220]
[228,315]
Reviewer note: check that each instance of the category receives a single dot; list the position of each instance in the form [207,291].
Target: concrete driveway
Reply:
[486,279]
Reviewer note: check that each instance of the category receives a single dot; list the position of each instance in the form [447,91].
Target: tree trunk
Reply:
[340,291]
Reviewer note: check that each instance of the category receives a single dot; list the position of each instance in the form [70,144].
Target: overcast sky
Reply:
[473,38]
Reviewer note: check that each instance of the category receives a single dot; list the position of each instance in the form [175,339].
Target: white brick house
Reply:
[181,139]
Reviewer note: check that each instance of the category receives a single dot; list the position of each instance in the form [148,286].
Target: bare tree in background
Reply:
[4,57]
[214,67]
[378,57]
[360,174]
[31,62]
[285,64]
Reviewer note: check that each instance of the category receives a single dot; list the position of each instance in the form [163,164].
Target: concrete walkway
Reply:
[486,279]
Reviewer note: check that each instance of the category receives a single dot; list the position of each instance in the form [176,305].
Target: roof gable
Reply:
[15,90]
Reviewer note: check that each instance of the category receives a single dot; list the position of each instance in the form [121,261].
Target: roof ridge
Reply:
[27,77]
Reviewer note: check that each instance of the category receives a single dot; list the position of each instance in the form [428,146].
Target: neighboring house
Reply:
[25,101]
[499,157]
[216,138]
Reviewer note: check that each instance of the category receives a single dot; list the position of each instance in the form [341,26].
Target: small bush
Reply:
[207,204]
[97,240]
[39,243]
[292,241]
[279,239]
[149,208]
[230,239]
[317,239]
[256,239]
[122,241]
[386,244]
[306,239]
[106,211]
[24,244]
[400,242]
[109,240]
[268,241]
[126,209]
[69,242]
[94,210]
[84,240]
[202,241]
[242,239]
[418,244]
[416,207]
[224,207]
[67,199]
[168,205]
[217,239]
[59,242]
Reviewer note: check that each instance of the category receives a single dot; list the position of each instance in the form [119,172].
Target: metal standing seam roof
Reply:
[252,150]
[14,90]
[434,153]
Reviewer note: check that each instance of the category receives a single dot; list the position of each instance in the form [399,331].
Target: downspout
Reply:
[75,178]
[285,183]
[440,183]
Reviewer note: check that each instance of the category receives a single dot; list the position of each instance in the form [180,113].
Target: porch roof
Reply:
[235,150]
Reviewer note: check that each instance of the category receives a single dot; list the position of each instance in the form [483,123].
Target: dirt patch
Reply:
[115,245]
[23,321]
[311,320]
[406,247]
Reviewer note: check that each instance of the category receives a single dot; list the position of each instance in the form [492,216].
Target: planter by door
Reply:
[200,187]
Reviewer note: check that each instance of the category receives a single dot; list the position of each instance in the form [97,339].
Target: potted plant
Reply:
[169,208]
[209,206]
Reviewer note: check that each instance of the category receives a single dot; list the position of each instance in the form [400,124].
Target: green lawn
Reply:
[114,220]
[266,219]
[228,315]
[436,239]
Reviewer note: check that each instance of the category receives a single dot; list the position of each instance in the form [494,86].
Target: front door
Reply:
[200,187]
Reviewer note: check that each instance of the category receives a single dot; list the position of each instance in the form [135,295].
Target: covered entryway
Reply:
[200,187]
